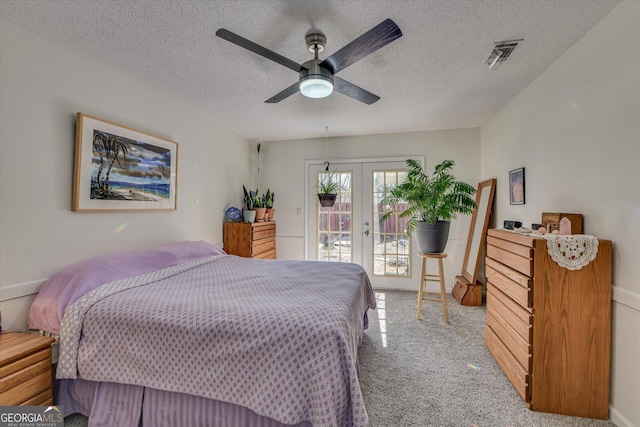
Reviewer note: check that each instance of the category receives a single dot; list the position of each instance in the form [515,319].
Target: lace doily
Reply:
[572,252]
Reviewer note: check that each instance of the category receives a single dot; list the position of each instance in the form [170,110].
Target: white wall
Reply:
[282,169]
[42,87]
[576,130]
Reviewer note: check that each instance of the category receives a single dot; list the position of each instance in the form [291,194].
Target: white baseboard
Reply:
[21,290]
[618,419]
[628,298]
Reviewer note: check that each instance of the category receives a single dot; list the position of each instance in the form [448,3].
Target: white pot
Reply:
[249,216]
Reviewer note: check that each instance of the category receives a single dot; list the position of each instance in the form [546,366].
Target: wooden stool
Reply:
[424,277]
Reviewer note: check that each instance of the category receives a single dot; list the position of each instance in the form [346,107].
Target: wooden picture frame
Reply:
[122,169]
[516,186]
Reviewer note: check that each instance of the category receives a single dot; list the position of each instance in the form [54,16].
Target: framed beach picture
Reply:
[516,186]
[121,169]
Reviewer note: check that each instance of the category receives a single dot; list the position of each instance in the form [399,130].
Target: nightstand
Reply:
[250,240]
[25,369]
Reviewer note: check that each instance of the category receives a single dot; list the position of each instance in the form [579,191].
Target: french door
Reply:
[351,230]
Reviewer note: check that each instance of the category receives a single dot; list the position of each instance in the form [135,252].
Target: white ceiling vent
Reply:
[501,52]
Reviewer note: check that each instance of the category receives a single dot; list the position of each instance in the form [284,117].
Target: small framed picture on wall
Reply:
[516,186]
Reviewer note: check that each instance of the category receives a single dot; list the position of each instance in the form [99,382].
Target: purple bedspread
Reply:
[278,337]
[69,284]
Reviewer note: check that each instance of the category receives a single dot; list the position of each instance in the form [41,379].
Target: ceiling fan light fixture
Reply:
[316,86]
[315,81]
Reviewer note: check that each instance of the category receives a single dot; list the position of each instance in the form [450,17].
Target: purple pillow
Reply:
[68,285]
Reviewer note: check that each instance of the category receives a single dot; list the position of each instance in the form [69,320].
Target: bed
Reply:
[185,334]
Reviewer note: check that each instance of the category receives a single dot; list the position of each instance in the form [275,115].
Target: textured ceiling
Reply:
[433,77]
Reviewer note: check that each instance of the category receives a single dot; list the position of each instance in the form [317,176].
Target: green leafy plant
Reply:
[328,183]
[258,202]
[249,198]
[430,198]
[269,198]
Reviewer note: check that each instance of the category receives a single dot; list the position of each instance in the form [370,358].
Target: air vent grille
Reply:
[501,52]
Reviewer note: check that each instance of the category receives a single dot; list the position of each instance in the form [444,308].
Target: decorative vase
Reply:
[327,200]
[260,214]
[270,214]
[249,215]
[432,238]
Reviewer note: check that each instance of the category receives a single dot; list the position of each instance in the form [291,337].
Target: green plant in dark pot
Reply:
[328,187]
[432,202]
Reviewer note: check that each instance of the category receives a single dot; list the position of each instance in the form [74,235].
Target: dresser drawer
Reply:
[520,378]
[20,364]
[27,389]
[519,347]
[263,232]
[271,254]
[514,260]
[30,383]
[521,250]
[261,246]
[31,370]
[517,317]
[43,399]
[514,284]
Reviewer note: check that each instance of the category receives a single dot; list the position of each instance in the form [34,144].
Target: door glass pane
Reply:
[391,244]
[333,231]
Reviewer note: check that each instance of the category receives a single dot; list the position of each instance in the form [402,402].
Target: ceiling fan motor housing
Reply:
[315,41]
[312,68]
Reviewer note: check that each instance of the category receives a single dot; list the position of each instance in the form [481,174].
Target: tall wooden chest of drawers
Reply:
[25,370]
[250,240]
[549,328]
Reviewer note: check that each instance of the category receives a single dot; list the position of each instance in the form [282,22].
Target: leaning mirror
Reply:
[478,230]
[466,291]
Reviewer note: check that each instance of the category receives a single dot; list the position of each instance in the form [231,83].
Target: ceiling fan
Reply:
[317,78]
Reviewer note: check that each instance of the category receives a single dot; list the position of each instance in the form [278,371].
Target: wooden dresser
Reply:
[25,370]
[549,328]
[250,240]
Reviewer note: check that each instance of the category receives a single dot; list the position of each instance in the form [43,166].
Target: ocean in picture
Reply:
[125,169]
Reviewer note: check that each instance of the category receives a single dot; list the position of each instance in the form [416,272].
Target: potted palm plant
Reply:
[328,188]
[433,201]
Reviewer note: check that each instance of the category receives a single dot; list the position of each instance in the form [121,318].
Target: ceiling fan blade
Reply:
[284,94]
[353,91]
[256,48]
[377,37]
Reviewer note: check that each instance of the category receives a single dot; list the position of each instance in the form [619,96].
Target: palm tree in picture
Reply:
[100,141]
[116,146]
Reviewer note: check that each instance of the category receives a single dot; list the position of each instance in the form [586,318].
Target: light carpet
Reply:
[427,373]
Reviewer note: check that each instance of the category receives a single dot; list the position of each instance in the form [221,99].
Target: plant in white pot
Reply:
[248,213]
[433,201]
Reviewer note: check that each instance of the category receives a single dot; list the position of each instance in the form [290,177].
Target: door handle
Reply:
[366,230]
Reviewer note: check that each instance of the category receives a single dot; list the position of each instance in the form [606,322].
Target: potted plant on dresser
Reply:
[258,206]
[328,188]
[269,198]
[248,213]
[433,201]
